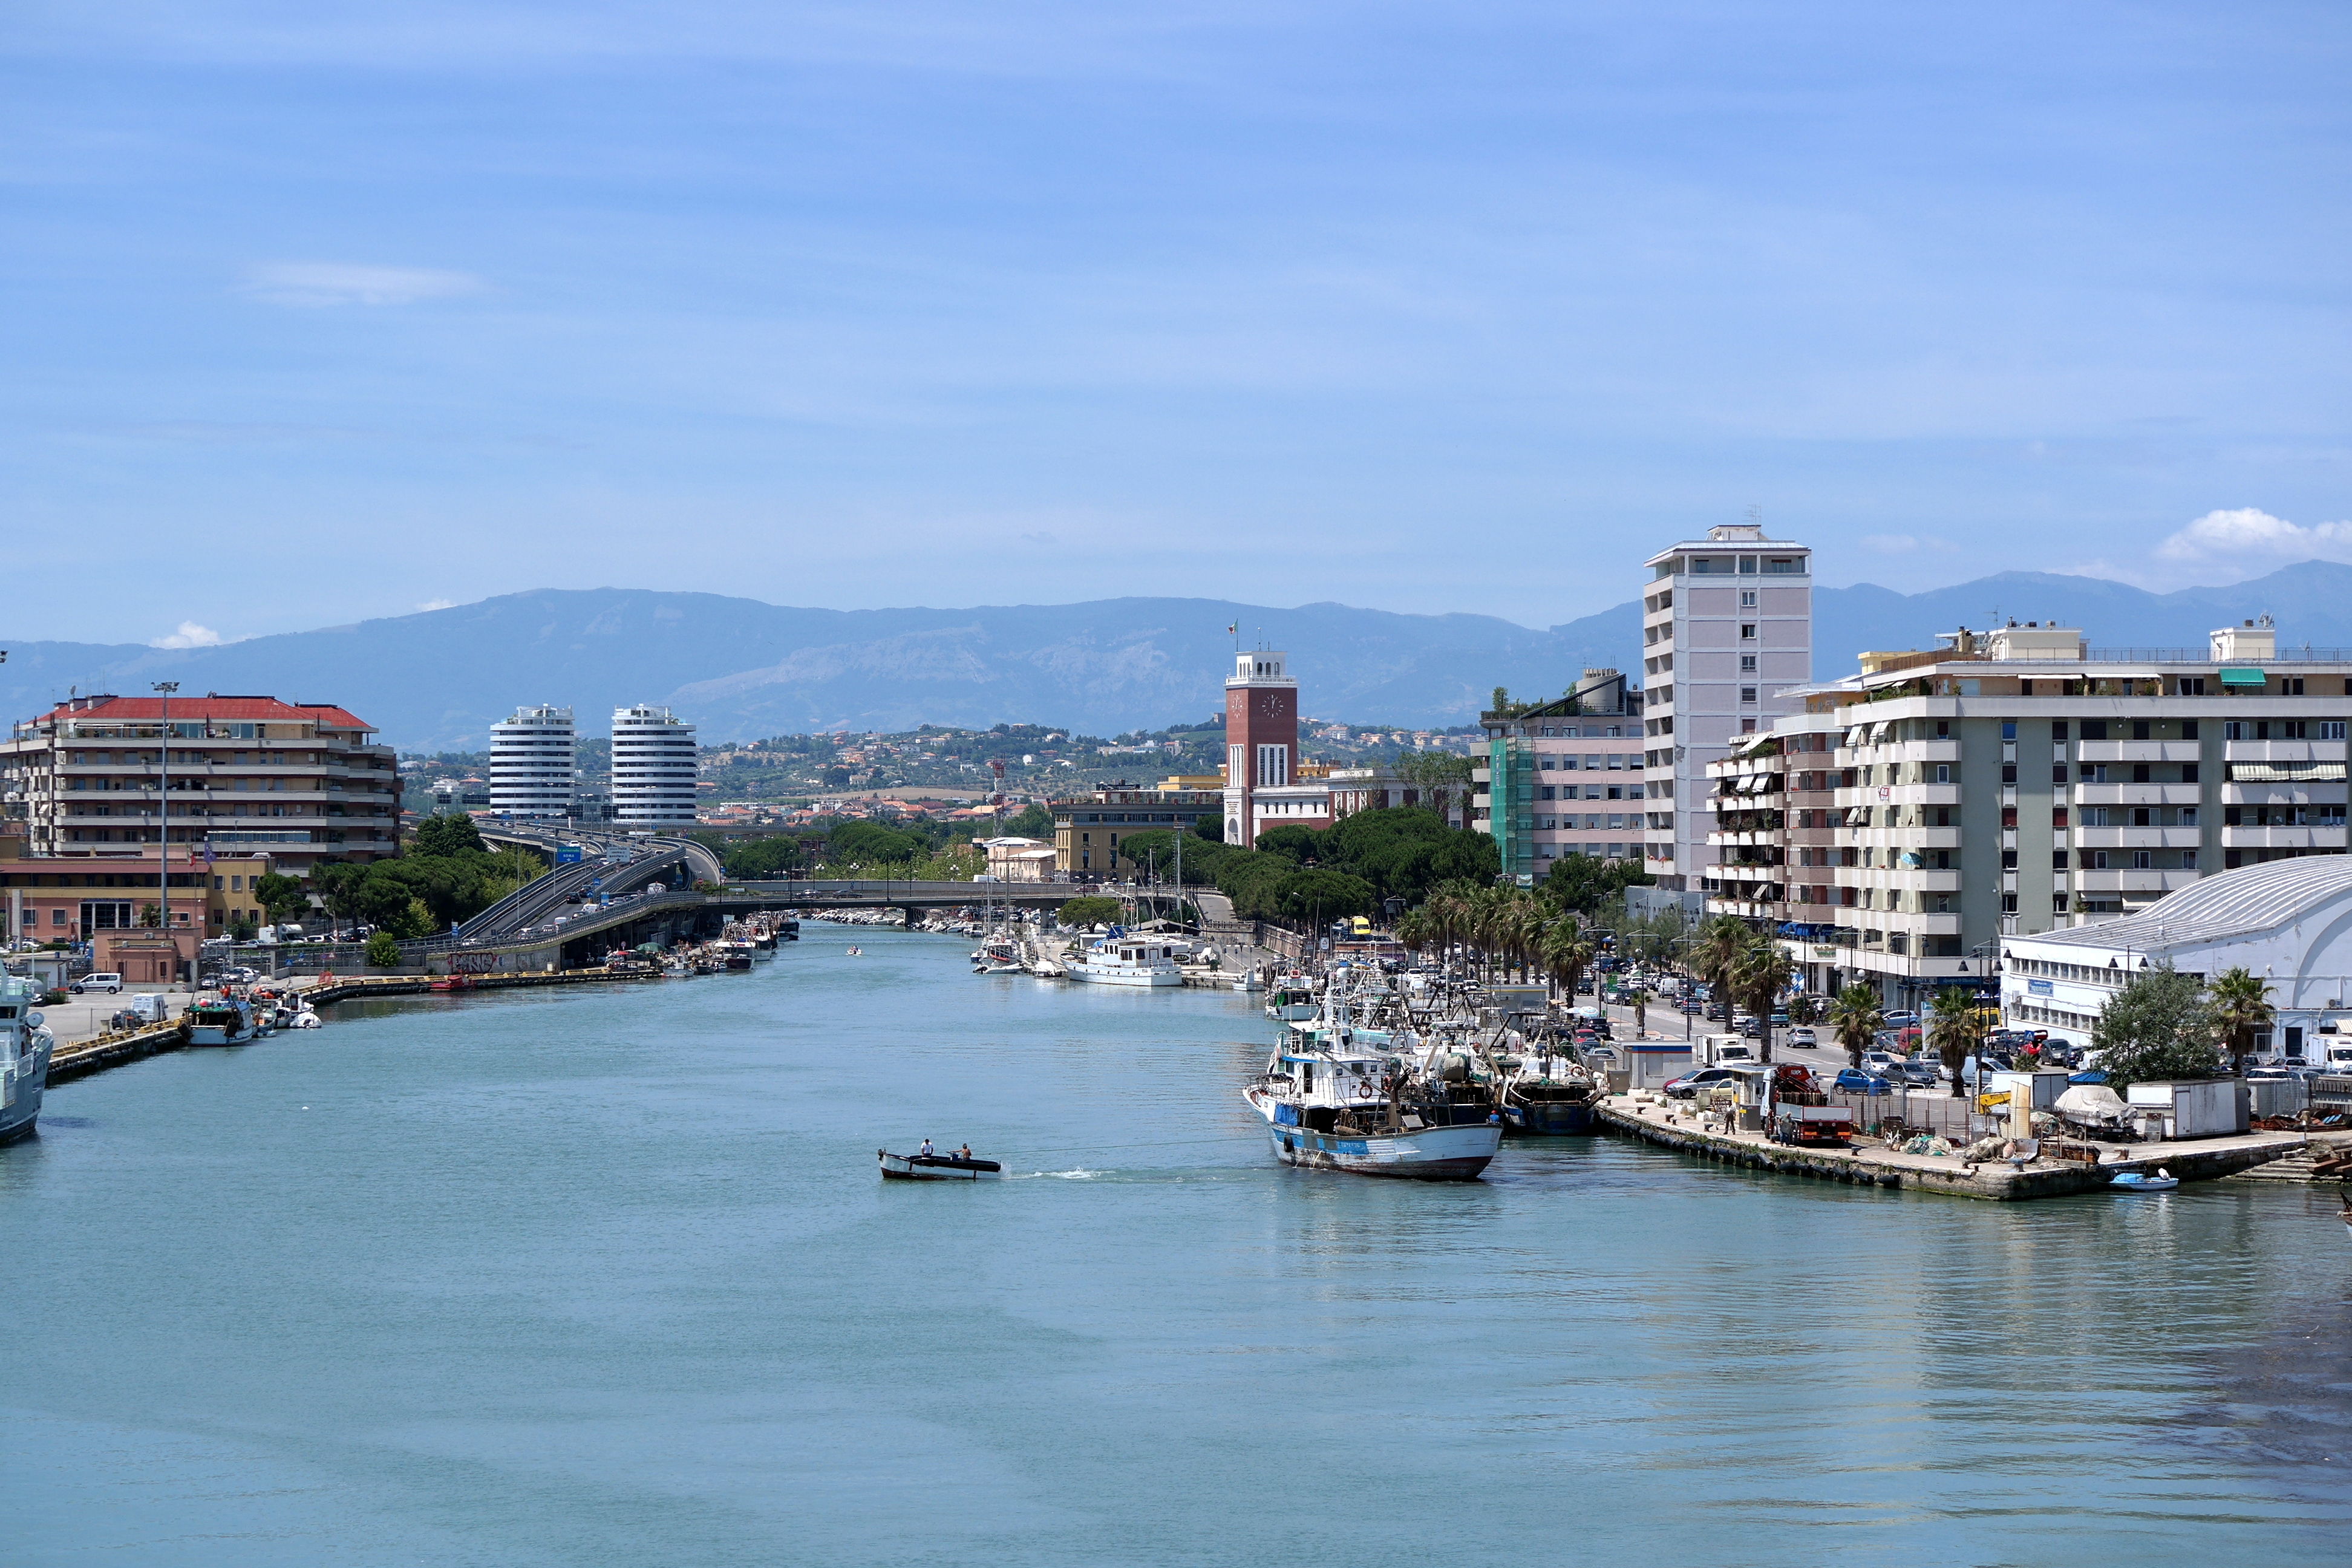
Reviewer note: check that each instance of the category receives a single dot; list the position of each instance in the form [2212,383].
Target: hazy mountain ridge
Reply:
[741,668]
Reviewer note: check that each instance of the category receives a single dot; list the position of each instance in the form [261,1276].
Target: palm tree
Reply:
[1412,931]
[2241,1009]
[1566,955]
[1720,943]
[1757,977]
[1952,1030]
[1641,1001]
[1856,1017]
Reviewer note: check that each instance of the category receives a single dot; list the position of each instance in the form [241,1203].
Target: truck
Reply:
[1721,1050]
[1801,1111]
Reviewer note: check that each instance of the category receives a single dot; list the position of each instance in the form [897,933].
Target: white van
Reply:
[1722,1050]
[109,984]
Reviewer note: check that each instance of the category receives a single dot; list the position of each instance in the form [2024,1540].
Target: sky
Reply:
[319,311]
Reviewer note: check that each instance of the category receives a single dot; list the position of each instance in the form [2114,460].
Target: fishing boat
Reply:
[2141,1181]
[1339,1099]
[936,1168]
[24,1047]
[1550,1096]
[1118,959]
[220,1021]
[1291,998]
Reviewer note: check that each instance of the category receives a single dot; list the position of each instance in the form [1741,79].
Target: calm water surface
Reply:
[606,1277]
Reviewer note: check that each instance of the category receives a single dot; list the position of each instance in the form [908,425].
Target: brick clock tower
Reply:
[1261,736]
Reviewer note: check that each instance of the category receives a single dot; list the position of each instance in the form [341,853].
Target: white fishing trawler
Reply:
[24,1047]
[1291,998]
[1118,959]
[1338,1098]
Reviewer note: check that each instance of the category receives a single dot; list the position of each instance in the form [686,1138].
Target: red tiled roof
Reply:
[234,710]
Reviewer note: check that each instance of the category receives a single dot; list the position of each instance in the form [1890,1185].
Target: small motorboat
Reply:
[856,952]
[936,1168]
[2141,1181]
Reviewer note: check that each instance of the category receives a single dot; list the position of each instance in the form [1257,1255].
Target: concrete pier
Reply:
[1677,1127]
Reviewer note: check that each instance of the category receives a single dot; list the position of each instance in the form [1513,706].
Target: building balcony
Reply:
[2136,837]
[2137,751]
[2136,793]
[2283,795]
[2282,751]
[2282,837]
[1900,838]
[2137,884]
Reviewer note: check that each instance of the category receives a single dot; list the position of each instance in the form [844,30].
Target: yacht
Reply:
[24,1047]
[1118,959]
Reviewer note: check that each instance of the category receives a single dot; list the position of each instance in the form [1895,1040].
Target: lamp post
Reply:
[163,816]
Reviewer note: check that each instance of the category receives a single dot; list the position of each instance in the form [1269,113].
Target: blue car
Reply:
[1853,1080]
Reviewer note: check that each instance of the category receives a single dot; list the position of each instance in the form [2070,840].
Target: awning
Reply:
[2238,675]
[2286,773]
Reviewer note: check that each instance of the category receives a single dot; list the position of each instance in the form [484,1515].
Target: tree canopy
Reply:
[2158,1027]
[449,833]
[1585,882]
[1088,911]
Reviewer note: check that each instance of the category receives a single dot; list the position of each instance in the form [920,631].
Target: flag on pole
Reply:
[1234,630]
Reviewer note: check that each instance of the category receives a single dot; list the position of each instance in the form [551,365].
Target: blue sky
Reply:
[323,311]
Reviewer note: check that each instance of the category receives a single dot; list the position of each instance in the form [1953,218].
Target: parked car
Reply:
[1800,1036]
[1920,1072]
[1899,1020]
[1853,1080]
[104,981]
[1687,1086]
[1883,1063]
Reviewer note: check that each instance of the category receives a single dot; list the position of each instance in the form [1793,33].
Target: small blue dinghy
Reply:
[2141,1181]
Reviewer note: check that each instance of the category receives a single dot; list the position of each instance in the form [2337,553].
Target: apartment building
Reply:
[1088,829]
[1727,637]
[1564,777]
[298,782]
[531,772]
[2021,780]
[654,768]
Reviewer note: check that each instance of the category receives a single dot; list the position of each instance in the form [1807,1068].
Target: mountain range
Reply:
[741,668]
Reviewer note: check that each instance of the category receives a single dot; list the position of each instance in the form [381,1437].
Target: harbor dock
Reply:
[1677,1127]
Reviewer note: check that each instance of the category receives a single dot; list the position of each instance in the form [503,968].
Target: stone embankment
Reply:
[1676,1126]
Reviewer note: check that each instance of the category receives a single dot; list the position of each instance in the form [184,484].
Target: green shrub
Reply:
[382,950]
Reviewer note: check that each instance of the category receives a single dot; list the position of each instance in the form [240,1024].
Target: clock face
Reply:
[1270,705]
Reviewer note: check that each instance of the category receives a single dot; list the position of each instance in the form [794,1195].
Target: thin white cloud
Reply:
[191,634]
[439,604]
[2224,547]
[314,284]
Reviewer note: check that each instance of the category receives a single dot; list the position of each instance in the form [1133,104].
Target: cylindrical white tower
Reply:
[653,766]
[531,763]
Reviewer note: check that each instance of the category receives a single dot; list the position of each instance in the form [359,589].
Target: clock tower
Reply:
[1260,737]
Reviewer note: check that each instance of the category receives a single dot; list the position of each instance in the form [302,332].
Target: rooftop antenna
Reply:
[1756,514]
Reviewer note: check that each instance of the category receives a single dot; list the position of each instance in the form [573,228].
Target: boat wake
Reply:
[1076,1175]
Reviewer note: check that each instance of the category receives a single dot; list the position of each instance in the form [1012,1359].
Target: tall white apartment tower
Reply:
[531,763]
[1726,627]
[653,766]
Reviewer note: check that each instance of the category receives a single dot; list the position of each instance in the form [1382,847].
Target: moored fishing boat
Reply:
[24,1047]
[1550,1097]
[1291,998]
[1339,1098]
[220,1021]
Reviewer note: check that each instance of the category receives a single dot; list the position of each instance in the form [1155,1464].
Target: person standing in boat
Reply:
[924,1152]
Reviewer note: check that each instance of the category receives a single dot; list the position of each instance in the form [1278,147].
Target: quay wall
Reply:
[1993,1181]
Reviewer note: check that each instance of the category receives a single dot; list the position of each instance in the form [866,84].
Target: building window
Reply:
[2188,859]
[1747,631]
[2143,860]
[1943,773]
[1747,598]
[1748,726]
[1747,694]
[1273,766]
[1747,663]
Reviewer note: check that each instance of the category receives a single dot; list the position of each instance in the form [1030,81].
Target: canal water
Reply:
[605,1275]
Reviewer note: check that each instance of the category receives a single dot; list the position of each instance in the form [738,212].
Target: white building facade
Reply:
[653,767]
[1726,632]
[2287,922]
[532,764]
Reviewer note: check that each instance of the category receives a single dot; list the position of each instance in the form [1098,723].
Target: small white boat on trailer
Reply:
[936,1168]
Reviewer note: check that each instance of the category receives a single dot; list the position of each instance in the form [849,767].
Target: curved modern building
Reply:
[531,763]
[653,766]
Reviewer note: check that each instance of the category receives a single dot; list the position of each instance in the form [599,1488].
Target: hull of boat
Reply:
[21,1092]
[1291,1013]
[1550,1119]
[914,1168]
[1431,1154]
[216,1035]
[1141,977]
